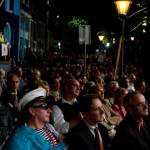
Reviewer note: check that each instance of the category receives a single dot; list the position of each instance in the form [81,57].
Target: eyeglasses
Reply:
[141,104]
[42,106]
[97,109]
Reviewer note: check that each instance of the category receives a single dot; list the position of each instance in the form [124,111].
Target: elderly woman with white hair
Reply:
[36,133]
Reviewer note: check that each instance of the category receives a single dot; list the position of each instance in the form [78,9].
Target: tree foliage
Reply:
[76,21]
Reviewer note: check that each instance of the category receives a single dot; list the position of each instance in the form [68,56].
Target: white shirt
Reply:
[92,128]
[59,122]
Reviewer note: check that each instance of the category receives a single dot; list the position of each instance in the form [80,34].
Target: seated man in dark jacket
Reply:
[133,132]
[83,135]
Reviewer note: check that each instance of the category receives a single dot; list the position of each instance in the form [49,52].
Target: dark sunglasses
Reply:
[42,106]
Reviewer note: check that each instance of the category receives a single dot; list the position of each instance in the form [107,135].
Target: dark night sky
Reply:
[101,12]
[80,7]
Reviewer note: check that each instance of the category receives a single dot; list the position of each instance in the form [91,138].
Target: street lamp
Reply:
[100,37]
[132,38]
[122,7]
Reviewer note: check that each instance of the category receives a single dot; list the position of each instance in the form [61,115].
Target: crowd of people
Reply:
[61,108]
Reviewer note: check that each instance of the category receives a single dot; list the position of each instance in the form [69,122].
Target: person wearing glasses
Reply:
[89,134]
[36,133]
[133,131]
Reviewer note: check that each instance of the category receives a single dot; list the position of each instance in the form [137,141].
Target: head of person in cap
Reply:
[36,132]
[33,101]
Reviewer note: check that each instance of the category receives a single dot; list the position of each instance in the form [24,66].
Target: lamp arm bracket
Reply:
[1,3]
[133,14]
[138,25]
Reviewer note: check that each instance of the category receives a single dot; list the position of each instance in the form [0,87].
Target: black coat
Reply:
[6,123]
[128,136]
[81,138]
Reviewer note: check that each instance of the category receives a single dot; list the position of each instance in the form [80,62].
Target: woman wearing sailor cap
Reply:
[36,133]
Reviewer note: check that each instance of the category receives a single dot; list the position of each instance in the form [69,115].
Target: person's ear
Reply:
[84,114]
[31,111]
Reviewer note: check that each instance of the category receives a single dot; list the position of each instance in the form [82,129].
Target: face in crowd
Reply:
[137,105]
[92,108]
[13,82]
[40,111]
[73,87]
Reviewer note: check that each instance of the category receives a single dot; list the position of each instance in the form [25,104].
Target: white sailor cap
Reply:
[30,96]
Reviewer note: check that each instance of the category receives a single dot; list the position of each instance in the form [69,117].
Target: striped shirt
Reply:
[48,135]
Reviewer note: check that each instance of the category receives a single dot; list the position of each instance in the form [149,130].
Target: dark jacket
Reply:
[129,137]
[81,138]
[6,123]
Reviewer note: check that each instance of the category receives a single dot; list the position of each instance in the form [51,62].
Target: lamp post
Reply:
[122,7]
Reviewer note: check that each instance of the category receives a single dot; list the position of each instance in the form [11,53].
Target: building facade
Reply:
[9,18]
[25,26]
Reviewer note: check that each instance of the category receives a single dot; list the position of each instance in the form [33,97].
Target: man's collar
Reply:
[69,102]
[140,123]
[92,127]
